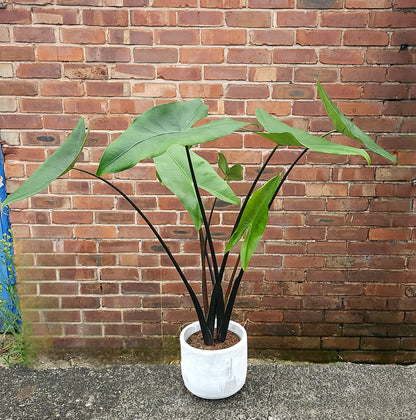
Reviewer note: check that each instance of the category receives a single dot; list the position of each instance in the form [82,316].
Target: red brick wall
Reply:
[337,269]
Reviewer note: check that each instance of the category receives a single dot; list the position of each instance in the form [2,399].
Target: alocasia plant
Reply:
[166,133]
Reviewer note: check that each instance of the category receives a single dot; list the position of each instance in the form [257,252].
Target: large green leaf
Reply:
[60,162]
[283,134]
[153,132]
[254,221]
[343,125]
[173,170]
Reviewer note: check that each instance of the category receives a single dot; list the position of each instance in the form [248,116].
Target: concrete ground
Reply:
[273,391]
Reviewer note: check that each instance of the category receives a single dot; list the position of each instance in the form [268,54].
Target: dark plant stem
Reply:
[207,334]
[217,291]
[204,273]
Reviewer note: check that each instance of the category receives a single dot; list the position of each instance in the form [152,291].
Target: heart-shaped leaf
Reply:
[57,164]
[283,134]
[344,126]
[173,170]
[153,132]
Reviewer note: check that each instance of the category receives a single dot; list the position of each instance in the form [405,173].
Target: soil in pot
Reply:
[196,340]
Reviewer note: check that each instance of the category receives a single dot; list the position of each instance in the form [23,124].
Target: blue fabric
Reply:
[7,272]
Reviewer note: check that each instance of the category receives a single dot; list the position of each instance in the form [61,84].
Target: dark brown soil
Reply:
[196,340]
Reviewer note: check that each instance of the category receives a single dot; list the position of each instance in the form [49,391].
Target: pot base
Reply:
[214,374]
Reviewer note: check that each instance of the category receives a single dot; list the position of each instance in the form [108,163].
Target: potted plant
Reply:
[166,134]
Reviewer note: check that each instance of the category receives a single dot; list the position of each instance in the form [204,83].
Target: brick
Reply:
[248,56]
[268,74]
[13,16]
[272,107]
[156,90]
[320,4]
[405,36]
[293,91]
[307,74]
[223,4]
[365,37]
[318,37]
[59,53]
[188,90]
[132,71]
[85,106]
[153,18]
[405,108]
[130,37]
[179,73]
[61,88]
[344,20]
[83,35]
[384,91]
[85,71]
[8,104]
[399,4]
[341,56]
[106,88]
[202,55]
[384,56]
[363,74]
[41,105]
[177,36]
[370,4]
[294,55]
[104,17]
[385,234]
[223,37]
[176,3]
[271,4]
[297,18]
[55,17]
[271,37]
[247,91]
[19,121]
[155,55]
[60,122]
[384,19]
[6,70]
[199,18]
[108,54]
[361,108]
[31,34]
[13,53]
[38,71]
[249,19]
[129,106]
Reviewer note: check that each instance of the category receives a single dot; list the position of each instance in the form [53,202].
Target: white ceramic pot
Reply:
[214,374]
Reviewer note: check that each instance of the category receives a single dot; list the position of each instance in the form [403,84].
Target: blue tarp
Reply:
[7,272]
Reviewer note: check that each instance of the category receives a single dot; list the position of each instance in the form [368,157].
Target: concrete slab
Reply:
[273,391]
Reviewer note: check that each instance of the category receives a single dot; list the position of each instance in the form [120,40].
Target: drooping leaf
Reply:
[174,172]
[56,165]
[153,132]
[283,134]
[344,126]
[254,221]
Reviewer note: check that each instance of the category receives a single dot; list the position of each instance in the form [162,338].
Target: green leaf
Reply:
[60,162]
[254,221]
[283,134]
[153,132]
[173,170]
[235,173]
[344,126]
[223,164]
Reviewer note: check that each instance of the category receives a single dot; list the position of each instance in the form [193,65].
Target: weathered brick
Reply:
[33,34]
[105,17]
[249,19]
[223,37]
[252,56]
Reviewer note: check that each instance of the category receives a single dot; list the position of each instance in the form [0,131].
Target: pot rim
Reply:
[241,334]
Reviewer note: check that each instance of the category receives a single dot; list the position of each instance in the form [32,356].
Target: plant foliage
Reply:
[165,134]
